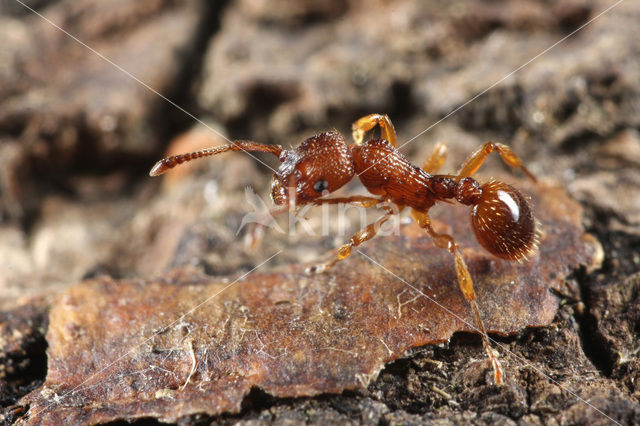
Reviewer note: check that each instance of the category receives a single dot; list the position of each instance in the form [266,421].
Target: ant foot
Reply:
[251,241]
[316,269]
[498,371]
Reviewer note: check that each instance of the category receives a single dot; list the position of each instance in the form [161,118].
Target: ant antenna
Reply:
[170,162]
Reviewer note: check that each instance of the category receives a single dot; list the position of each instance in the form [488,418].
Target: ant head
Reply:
[321,164]
[501,218]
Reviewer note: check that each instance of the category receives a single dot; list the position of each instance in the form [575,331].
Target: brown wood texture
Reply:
[94,254]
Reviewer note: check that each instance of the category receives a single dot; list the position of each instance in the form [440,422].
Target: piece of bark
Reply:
[22,353]
[187,343]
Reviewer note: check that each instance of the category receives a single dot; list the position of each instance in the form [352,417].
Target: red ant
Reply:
[500,216]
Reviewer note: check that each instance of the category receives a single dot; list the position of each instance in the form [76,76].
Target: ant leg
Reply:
[475,160]
[256,231]
[368,122]
[446,241]
[361,200]
[254,235]
[436,158]
[365,234]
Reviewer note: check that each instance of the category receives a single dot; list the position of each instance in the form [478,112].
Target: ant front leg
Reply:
[254,235]
[475,160]
[368,122]
[365,234]
[360,200]
[465,282]
[256,230]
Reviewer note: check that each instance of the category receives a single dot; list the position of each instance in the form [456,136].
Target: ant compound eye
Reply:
[320,185]
[503,222]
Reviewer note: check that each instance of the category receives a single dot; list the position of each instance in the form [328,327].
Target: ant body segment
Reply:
[501,218]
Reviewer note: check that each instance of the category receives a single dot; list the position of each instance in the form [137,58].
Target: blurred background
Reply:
[79,132]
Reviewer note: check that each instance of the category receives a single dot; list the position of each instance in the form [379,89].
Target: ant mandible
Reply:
[500,216]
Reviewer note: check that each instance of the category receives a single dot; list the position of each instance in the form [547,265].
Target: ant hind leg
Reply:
[465,282]
[475,160]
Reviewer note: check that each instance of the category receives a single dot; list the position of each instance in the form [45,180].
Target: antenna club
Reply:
[170,162]
[159,168]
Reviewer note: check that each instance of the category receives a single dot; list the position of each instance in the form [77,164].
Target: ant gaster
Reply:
[500,216]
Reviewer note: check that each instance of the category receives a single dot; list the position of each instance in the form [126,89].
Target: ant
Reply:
[500,215]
